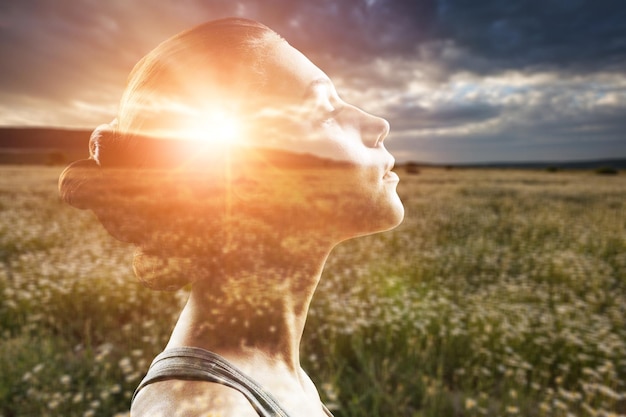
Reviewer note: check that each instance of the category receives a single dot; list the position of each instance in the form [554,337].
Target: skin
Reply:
[266,345]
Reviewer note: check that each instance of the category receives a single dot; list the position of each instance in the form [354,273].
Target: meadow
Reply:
[503,293]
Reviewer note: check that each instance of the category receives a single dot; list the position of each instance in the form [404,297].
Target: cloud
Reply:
[458,80]
[515,116]
[572,35]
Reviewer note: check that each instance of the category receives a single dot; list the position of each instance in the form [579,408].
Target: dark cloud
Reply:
[353,30]
[572,35]
[407,116]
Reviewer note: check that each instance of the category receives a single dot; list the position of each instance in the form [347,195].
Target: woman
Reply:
[234,165]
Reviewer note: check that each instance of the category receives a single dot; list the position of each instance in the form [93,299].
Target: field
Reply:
[503,293]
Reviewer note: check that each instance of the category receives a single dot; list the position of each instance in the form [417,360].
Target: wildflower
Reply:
[470,403]
[607,391]
[330,391]
[590,372]
[132,377]
[126,365]
[565,394]
[560,405]
[592,412]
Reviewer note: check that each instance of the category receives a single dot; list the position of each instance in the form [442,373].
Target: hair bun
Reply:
[74,182]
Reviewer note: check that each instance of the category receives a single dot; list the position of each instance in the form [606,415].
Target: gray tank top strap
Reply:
[195,364]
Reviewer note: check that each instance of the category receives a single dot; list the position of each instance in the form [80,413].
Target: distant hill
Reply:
[42,138]
[36,146]
[60,146]
[42,145]
[616,163]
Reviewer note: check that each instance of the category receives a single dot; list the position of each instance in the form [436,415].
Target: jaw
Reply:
[367,209]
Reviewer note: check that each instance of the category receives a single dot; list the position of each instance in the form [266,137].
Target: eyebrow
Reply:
[310,90]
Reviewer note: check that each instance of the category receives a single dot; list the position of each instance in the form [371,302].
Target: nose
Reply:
[374,129]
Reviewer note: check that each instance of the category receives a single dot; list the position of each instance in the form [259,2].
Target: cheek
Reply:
[331,141]
[348,147]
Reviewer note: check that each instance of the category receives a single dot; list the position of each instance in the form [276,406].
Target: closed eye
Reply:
[332,115]
[325,103]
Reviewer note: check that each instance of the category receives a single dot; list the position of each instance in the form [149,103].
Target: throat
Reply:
[251,312]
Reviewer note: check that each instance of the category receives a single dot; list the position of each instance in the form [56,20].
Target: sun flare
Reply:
[214,127]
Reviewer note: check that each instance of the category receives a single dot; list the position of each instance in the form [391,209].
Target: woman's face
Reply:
[307,116]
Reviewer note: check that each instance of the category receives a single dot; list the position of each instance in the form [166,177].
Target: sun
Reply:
[214,127]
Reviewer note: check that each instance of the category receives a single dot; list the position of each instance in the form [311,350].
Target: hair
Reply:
[219,63]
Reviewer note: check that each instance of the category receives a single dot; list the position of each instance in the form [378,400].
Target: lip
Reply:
[391,176]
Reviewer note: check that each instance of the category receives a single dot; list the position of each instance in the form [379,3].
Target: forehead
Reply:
[290,74]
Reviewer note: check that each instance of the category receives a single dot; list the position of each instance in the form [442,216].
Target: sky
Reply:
[460,81]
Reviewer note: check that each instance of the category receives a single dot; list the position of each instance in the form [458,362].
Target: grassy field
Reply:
[503,293]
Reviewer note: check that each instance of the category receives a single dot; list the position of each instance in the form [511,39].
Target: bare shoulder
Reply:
[177,398]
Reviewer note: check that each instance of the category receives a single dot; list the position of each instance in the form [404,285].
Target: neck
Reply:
[253,310]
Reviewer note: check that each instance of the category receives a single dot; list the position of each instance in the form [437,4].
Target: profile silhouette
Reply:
[234,167]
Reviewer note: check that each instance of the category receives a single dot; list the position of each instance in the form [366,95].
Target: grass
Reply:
[503,293]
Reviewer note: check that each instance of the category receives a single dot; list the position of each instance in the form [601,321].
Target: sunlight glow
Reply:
[213,127]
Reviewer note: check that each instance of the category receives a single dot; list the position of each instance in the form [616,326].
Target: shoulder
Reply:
[177,398]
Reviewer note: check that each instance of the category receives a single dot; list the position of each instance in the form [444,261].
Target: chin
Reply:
[398,214]
[377,218]
[393,216]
